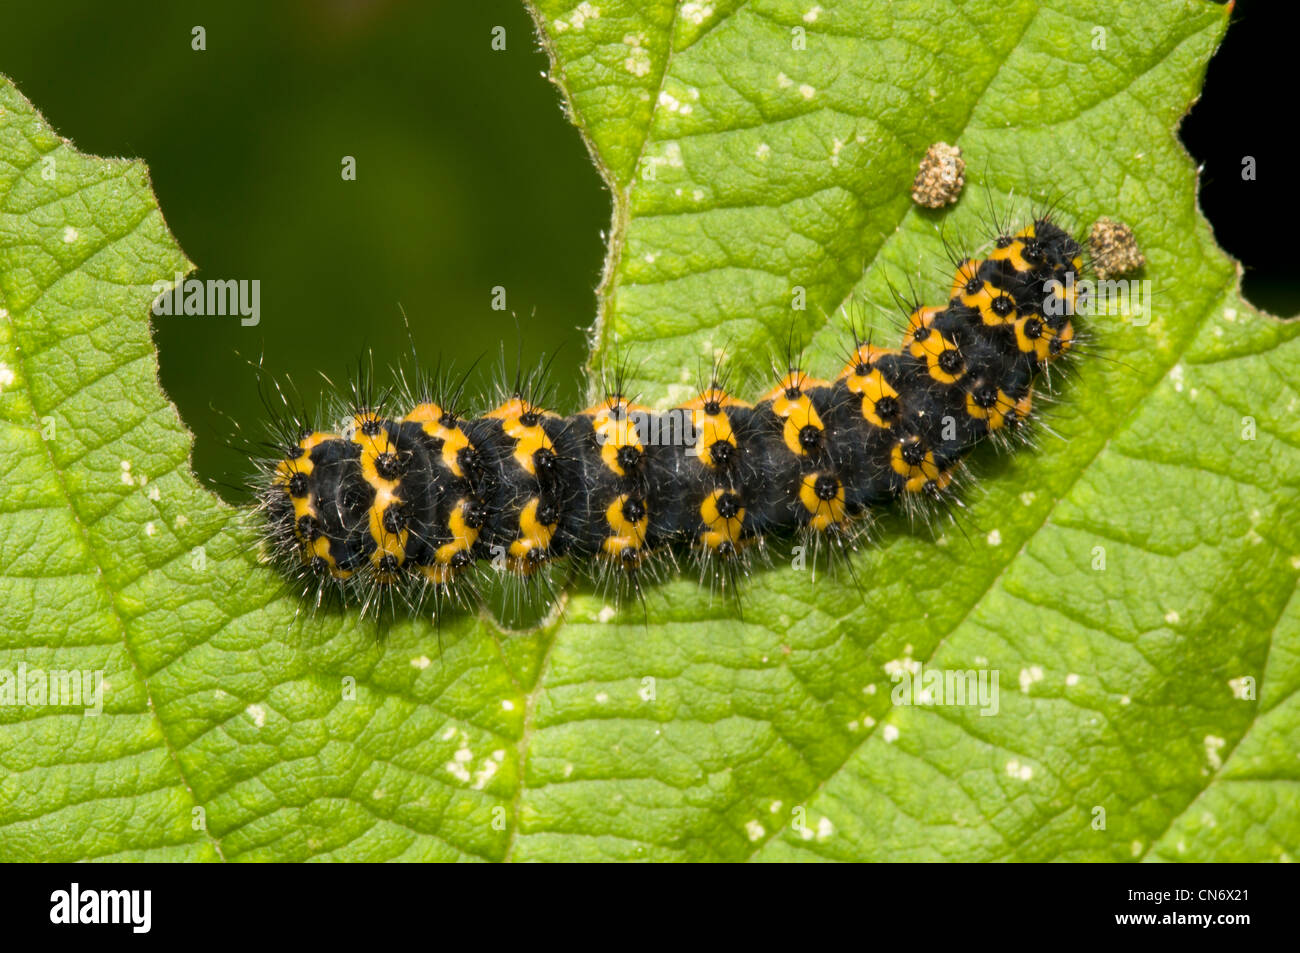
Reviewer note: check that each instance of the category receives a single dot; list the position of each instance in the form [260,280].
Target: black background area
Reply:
[1246,110]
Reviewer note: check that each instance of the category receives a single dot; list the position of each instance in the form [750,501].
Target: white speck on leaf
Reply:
[697,13]
[485,774]
[671,156]
[638,57]
[638,62]
[578,19]
[1213,745]
[894,668]
[1030,675]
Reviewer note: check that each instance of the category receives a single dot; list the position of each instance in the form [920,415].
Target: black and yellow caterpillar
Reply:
[417,501]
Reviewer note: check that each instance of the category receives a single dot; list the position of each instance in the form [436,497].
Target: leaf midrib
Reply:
[622,201]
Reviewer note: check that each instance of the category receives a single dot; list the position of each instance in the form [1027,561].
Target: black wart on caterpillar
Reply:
[412,505]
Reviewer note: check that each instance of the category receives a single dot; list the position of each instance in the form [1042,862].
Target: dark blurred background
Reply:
[1247,109]
[468,177]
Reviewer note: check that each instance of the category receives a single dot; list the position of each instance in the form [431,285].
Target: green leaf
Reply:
[235,727]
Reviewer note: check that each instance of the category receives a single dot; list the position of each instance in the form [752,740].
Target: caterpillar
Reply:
[411,505]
